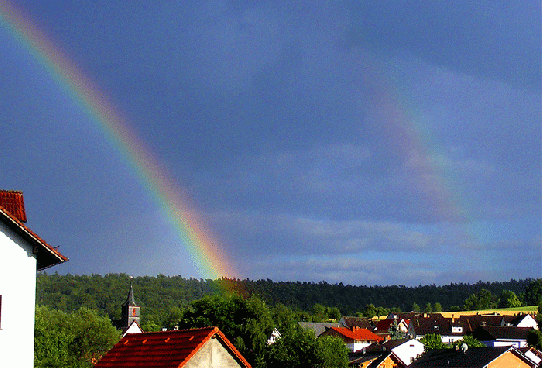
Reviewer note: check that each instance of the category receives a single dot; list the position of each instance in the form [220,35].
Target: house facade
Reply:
[22,253]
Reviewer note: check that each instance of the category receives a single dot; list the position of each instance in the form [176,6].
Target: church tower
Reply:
[130,310]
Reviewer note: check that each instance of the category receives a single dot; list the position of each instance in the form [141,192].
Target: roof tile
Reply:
[166,349]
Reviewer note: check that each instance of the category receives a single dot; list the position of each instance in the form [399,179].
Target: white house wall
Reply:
[505,343]
[409,350]
[212,354]
[18,291]
[357,346]
[528,321]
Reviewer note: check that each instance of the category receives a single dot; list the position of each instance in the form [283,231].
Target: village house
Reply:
[533,355]
[392,327]
[450,329]
[356,338]
[361,322]
[391,353]
[376,360]
[499,336]
[472,322]
[197,348]
[22,253]
[318,327]
[474,358]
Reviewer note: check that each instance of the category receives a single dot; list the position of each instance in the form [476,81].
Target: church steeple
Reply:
[130,310]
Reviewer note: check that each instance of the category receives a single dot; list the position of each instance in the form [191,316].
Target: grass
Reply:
[503,311]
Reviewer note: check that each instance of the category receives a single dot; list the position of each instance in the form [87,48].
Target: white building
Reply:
[409,350]
[22,253]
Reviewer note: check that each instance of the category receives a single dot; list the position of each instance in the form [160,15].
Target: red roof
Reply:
[357,334]
[165,349]
[13,202]
[46,255]
[385,324]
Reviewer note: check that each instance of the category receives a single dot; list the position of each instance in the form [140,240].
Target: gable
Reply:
[212,354]
[508,359]
[171,349]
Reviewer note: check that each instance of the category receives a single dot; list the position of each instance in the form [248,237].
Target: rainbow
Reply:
[412,140]
[202,246]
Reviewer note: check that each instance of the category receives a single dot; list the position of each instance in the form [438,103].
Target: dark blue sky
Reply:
[390,142]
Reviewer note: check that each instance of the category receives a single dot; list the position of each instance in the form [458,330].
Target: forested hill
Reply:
[158,295]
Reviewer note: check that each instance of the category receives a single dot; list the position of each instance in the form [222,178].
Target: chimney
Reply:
[13,202]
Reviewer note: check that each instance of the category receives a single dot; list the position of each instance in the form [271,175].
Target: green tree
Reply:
[331,352]
[173,318]
[533,292]
[428,308]
[433,342]
[370,311]
[508,299]
[483,299]
[534,339]
[334,313]
[415,307]
[293,349]
[74,339]
[319,313]
[246,322]
[298,348]
[437,307]
[470,341]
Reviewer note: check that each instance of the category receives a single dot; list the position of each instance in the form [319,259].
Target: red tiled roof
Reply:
[384,325]
[167,349]
[46,255]
[357,334]
[13,202]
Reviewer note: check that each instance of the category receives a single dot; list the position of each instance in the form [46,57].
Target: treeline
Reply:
[352,299]
[159,295]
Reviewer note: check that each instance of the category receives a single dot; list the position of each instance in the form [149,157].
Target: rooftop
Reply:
[12,214]
[166,349]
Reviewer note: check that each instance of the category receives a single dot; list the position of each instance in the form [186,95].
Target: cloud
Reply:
[347,270]
[290,234]
[485,38]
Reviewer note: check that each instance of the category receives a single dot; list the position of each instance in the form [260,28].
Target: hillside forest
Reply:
[161,297]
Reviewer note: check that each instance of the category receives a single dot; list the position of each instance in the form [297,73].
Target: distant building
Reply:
[474,358]
[500,336]
[355,339]
[131,314]
[197,348]
[22,253]
[317,327]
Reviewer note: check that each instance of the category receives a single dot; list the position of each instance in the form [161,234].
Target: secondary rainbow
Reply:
[203,247]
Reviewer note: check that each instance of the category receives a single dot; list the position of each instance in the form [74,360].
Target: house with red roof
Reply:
[355,338]
[197,348]
[22,253]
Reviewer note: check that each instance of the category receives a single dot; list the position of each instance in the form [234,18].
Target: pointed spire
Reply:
[130,301]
